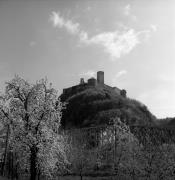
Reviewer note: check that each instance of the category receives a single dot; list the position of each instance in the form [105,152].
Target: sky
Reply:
[132,41]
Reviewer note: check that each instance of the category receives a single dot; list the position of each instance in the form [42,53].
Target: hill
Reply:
[166,122]
[98,105]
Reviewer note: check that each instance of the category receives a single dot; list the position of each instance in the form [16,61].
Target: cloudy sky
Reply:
[132,41]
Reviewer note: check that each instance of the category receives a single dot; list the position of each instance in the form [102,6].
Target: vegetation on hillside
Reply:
[166,122]
[96,106]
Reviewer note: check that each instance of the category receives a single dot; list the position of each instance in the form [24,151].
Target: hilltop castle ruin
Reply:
[92,82]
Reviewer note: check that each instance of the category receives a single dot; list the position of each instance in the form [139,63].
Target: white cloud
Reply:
[89,73]
[88,8]
[118,75]
[153,27]
[60,22]
[32,43]
[127,12]
[127,9]
[121,73]
[115,43]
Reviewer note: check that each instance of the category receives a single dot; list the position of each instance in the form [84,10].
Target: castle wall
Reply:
[92,82]
[74,88]
[117,90]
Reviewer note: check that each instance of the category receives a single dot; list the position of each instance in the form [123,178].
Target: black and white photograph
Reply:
[87,89]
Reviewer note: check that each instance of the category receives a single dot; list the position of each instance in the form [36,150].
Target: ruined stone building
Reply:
[92,82]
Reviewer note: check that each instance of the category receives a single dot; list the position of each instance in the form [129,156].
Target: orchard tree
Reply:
[32,114]
[104,149]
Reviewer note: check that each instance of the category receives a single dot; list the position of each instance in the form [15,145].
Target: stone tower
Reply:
[82,81]
[100,77]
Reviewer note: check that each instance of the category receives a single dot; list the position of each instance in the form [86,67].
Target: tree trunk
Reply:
[33,161]
[5,153]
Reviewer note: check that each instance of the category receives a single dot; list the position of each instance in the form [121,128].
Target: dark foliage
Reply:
[98,105]
[166,122]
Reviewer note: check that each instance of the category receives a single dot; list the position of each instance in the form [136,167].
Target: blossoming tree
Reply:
[32,114]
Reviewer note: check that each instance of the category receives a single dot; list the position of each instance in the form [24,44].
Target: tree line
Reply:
[35,145]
